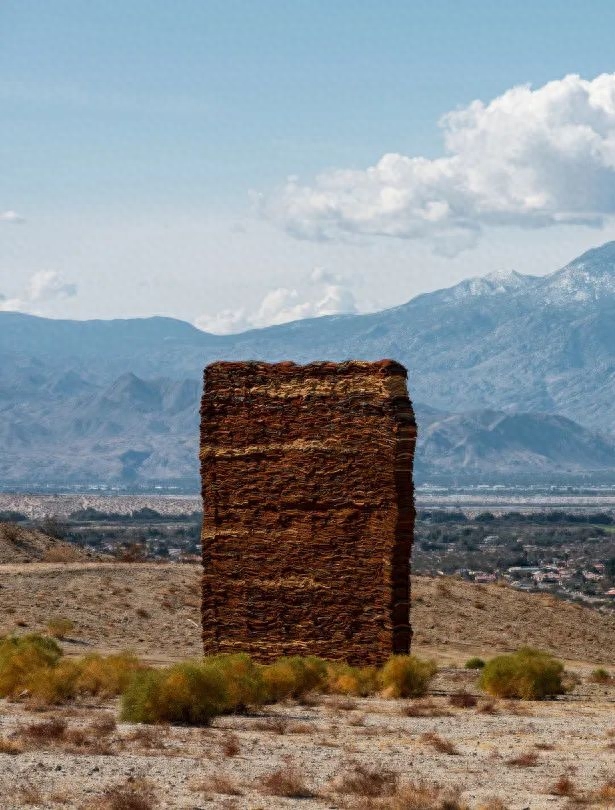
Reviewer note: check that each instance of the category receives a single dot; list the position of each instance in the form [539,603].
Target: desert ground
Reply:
[343,752]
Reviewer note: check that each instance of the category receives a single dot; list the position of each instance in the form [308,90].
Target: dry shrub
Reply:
[287,781]
[417,796]
[50,730]
[545,746]
[606,793]
[601,676]
[103,724]
[147,737]
[276,725]
[217,783]
[564,786]
[30,794]
[230,745]
[11,747]
[528,674]
[339,703]
[59,627]
[462,700]
[361,780]
[424,708]
[529,759]
[493,803]
[488,707]
[406,676]
[134,794]
[441,745]
[300,728]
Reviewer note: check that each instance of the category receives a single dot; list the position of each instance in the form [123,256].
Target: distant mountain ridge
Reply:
[508,359]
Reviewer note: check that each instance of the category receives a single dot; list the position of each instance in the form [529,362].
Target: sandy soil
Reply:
[153,609]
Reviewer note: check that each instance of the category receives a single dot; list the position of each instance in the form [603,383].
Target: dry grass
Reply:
[462,700]
[47,731]
[488,707]
[606,793]
[148,737]
[361,780]
[11,747]
[529,759]
[287,781]
[275,725]
[439,744]
[134,794]
[416,796]
[424,708]
[30,794]
[563,786]
[217,783]
[230,745]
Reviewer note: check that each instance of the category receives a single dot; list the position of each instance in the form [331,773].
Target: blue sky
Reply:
[147,147]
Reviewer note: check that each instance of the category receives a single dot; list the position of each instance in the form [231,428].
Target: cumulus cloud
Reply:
[42,287]
[530,158]
[12,217]
[323,293]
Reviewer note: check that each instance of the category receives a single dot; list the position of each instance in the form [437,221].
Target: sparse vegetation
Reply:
[362,780]
[406,676]
[462,700]
[600,675]
[441,745]
[474,663]
[287,781]
[59,627]
[527,674]
[529,759]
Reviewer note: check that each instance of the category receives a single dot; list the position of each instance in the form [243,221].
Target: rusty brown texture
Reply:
[308,509]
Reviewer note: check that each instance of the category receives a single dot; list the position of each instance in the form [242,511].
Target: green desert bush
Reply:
[244,680]
[600,675]
[406,676]
[59,627]
[21,657]
[528,674]
[191,692]
[342,679]
[106,676]
[474,663]
[294,676]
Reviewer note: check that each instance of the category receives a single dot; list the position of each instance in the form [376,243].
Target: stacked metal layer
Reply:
[308,509]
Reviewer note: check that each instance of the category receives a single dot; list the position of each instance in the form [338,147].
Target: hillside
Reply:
[154,610]
[510,372]
[19,545]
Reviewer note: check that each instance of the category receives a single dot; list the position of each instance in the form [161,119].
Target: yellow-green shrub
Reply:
[53,685]
[406,676]
[106,676]
[21,657]
[192,693]
[279,679]
[243,678]
[59,627]
[346,680]
[527,674]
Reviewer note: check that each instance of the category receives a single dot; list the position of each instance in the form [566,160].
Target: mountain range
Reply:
[511,375]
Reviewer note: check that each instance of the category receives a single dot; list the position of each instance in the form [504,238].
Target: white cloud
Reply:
[12,217]
[323,293]
[42,287]
[529,158]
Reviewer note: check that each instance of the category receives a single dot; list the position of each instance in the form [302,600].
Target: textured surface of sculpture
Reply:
[308,509]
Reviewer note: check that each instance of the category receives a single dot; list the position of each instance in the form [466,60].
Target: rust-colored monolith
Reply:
[308,509]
